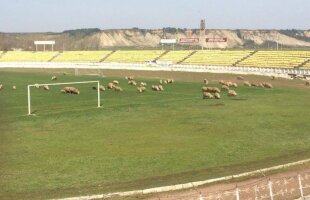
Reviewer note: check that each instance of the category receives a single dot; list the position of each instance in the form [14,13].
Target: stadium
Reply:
[196,114]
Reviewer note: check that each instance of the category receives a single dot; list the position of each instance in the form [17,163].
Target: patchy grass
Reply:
[141,140]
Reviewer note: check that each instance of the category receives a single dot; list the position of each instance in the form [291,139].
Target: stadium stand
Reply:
[27,56]
[285,59]
[216,57]
[174,56]
[81,56]
[134,56]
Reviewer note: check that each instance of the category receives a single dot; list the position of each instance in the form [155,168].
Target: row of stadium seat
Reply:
[287,59]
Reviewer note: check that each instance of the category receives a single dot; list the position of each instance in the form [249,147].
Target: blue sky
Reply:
[59,15]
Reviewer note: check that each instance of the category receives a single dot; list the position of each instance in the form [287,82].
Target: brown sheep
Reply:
[45,87]
[118,89]
[110,86]
[101,88]
[207,95]
[232,93]
[205,81]
[225,87]
[217,95]
[240,78]
[247,84]
[267,85]
[54,78]
[235,85]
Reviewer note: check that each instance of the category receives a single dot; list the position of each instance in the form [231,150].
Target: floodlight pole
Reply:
[29,103]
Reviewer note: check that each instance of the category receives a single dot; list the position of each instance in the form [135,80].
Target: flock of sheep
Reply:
[207,92]
[215,92]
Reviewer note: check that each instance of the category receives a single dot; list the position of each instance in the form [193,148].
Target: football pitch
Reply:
[134,141]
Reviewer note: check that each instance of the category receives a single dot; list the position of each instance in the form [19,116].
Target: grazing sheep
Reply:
[37,85]
[307,83]
[45,87]
[155,88]
[160,82]
[235,85]
[247,84]
[101,88]
[1,86]
[129,78]
[211,89]
[110,86]
[118,89]
[115,82]
[70,90]
[240,78]
[143,84]
[228,84]
[207,95]
[217,95]
[141,89]
[205,81]
[254,84]
[225,87]
[64,73]
[267,85]
[14,87]
[261,85]
[221,82]
[272,78]
[132,82]
[170,81]
[161,88]
[232,93]
[54,78]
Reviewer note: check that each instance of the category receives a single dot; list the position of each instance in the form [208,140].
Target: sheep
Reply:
[267,85]
[221,82]
[240,78]
[210,89]
[205,81]
[170,81]
[261,85]
[160,82]
[228,84]
[254,84]
[235,85]
[129,78]
[45,87]
[217,95]
[155,88]
[207,95]
[70,90]
[1,86]
[307,83]
[14,87]
[225,87]
[54,78]
[161,88]
[110,86]
[247,84]
[64,73]
[101,88]
[118,89]
[115,82]
[272,78]
[37,85]
[232,93]
[143,84]
[165,81]
[132,82]
[141,89]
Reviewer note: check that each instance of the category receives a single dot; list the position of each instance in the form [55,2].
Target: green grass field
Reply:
[137,141]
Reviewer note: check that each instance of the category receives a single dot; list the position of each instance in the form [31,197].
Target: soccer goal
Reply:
[53,84]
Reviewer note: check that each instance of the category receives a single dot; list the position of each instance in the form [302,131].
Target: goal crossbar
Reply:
[67,83]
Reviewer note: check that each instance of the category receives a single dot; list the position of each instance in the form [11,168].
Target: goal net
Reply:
[29,87]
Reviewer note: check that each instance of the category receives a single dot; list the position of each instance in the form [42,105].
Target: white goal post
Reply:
[68,83]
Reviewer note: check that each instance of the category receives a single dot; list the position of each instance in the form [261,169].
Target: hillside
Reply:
[95,39]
